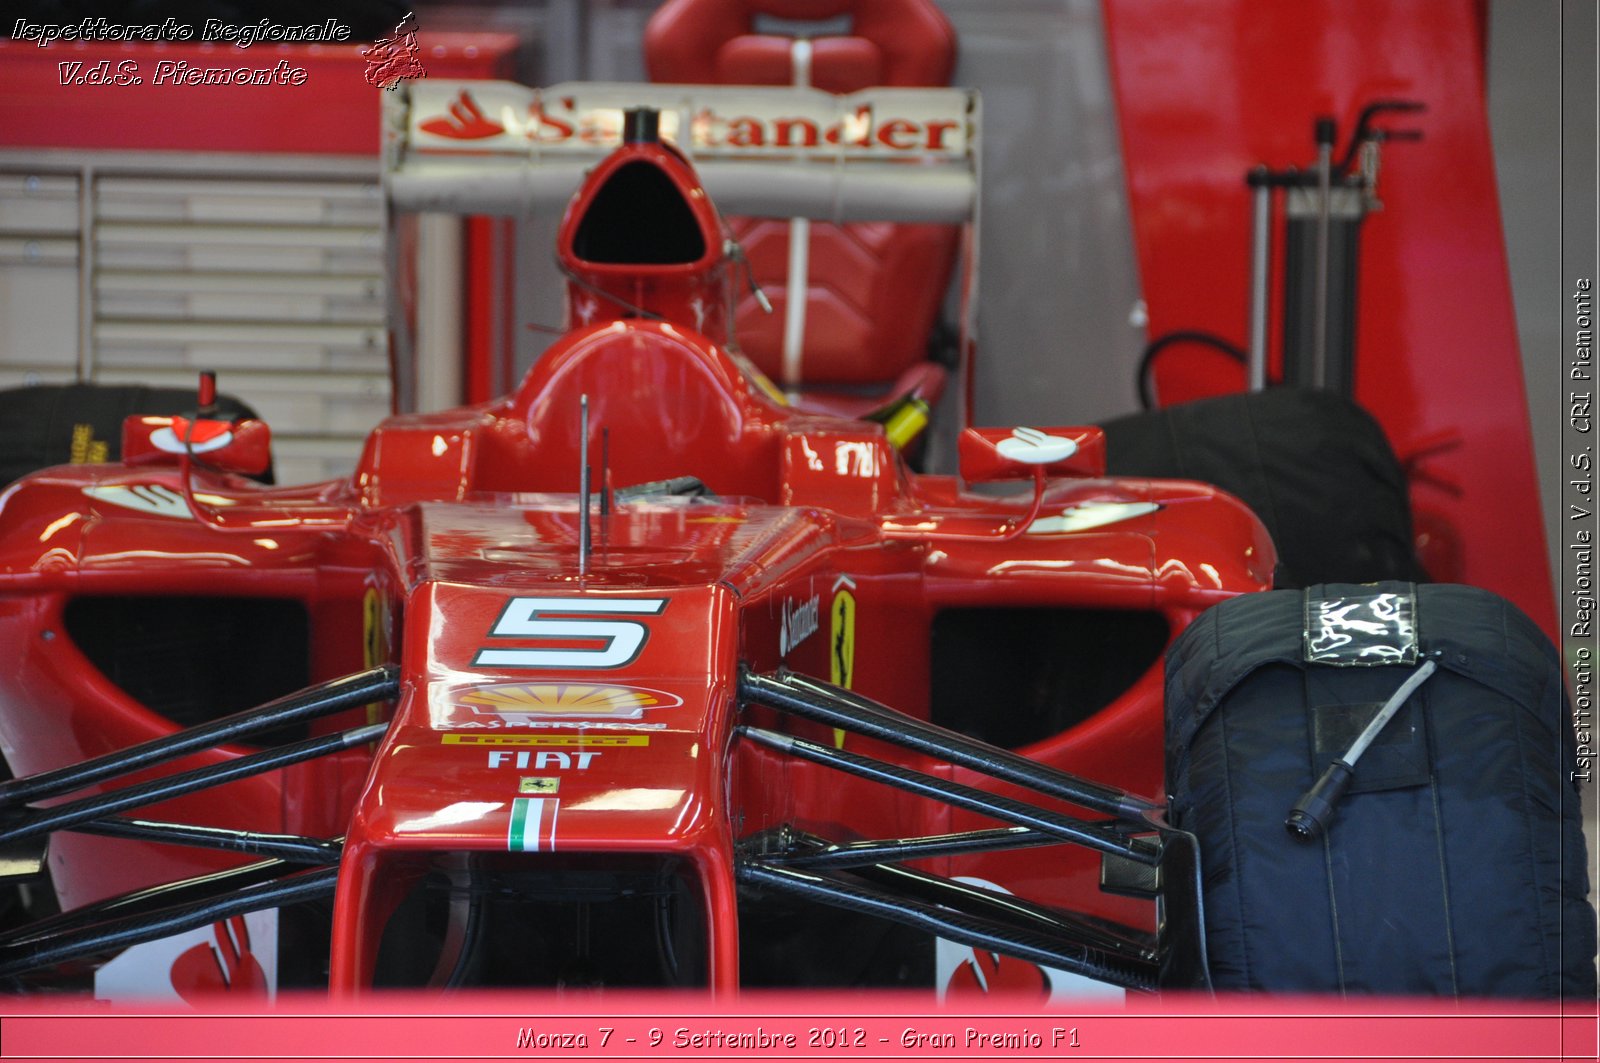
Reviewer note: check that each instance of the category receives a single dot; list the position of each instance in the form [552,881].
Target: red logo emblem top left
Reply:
[464,122]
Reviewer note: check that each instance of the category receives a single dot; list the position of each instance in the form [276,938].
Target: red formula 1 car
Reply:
[637,676]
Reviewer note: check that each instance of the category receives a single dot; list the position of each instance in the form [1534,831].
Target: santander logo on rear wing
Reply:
[496,147]
[500,117]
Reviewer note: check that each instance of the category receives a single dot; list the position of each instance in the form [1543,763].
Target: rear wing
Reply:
[496,147]
[499,148]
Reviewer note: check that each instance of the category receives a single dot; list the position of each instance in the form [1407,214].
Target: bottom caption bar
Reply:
[609,1027]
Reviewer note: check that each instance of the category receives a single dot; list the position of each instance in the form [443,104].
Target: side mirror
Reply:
[232,446]
[989,454]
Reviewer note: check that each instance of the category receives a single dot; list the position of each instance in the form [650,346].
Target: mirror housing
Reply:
[990,454]
[232,446]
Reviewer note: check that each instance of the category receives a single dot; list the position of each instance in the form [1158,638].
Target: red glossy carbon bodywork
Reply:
[90,531]
[1207,91]
[551,705]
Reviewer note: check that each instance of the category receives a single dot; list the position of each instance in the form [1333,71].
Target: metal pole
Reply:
[583,486]
[1260,264]
[1319,318]
[86,260]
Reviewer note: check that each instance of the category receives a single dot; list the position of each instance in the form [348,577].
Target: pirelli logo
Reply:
[546,741]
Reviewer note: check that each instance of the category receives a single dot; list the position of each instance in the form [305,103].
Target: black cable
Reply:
[471,941]
[666,953]
[1365,131]
[595,289]
[1161,343]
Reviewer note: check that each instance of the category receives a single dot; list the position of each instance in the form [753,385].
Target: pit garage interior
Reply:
[107,238]
[1062,320]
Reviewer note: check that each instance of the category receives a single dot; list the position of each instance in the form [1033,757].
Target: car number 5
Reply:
[616,642]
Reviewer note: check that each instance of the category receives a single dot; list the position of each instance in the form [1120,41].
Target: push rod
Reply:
[119,934]
[377,684]
[149,899]
[968,929]
[815,700]
[1062,827]
[975,900]
[963,896]
[72,813]
[953,893]
[294,848]
[839,856]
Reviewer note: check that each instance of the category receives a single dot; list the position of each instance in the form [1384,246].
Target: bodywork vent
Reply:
[1011,677]
[194,659]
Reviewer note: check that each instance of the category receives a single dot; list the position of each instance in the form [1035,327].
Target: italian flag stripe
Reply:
[531,828]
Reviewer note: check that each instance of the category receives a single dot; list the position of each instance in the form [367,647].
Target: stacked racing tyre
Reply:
[1314,466]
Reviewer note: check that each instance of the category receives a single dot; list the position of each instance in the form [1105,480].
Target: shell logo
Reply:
[566,701]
